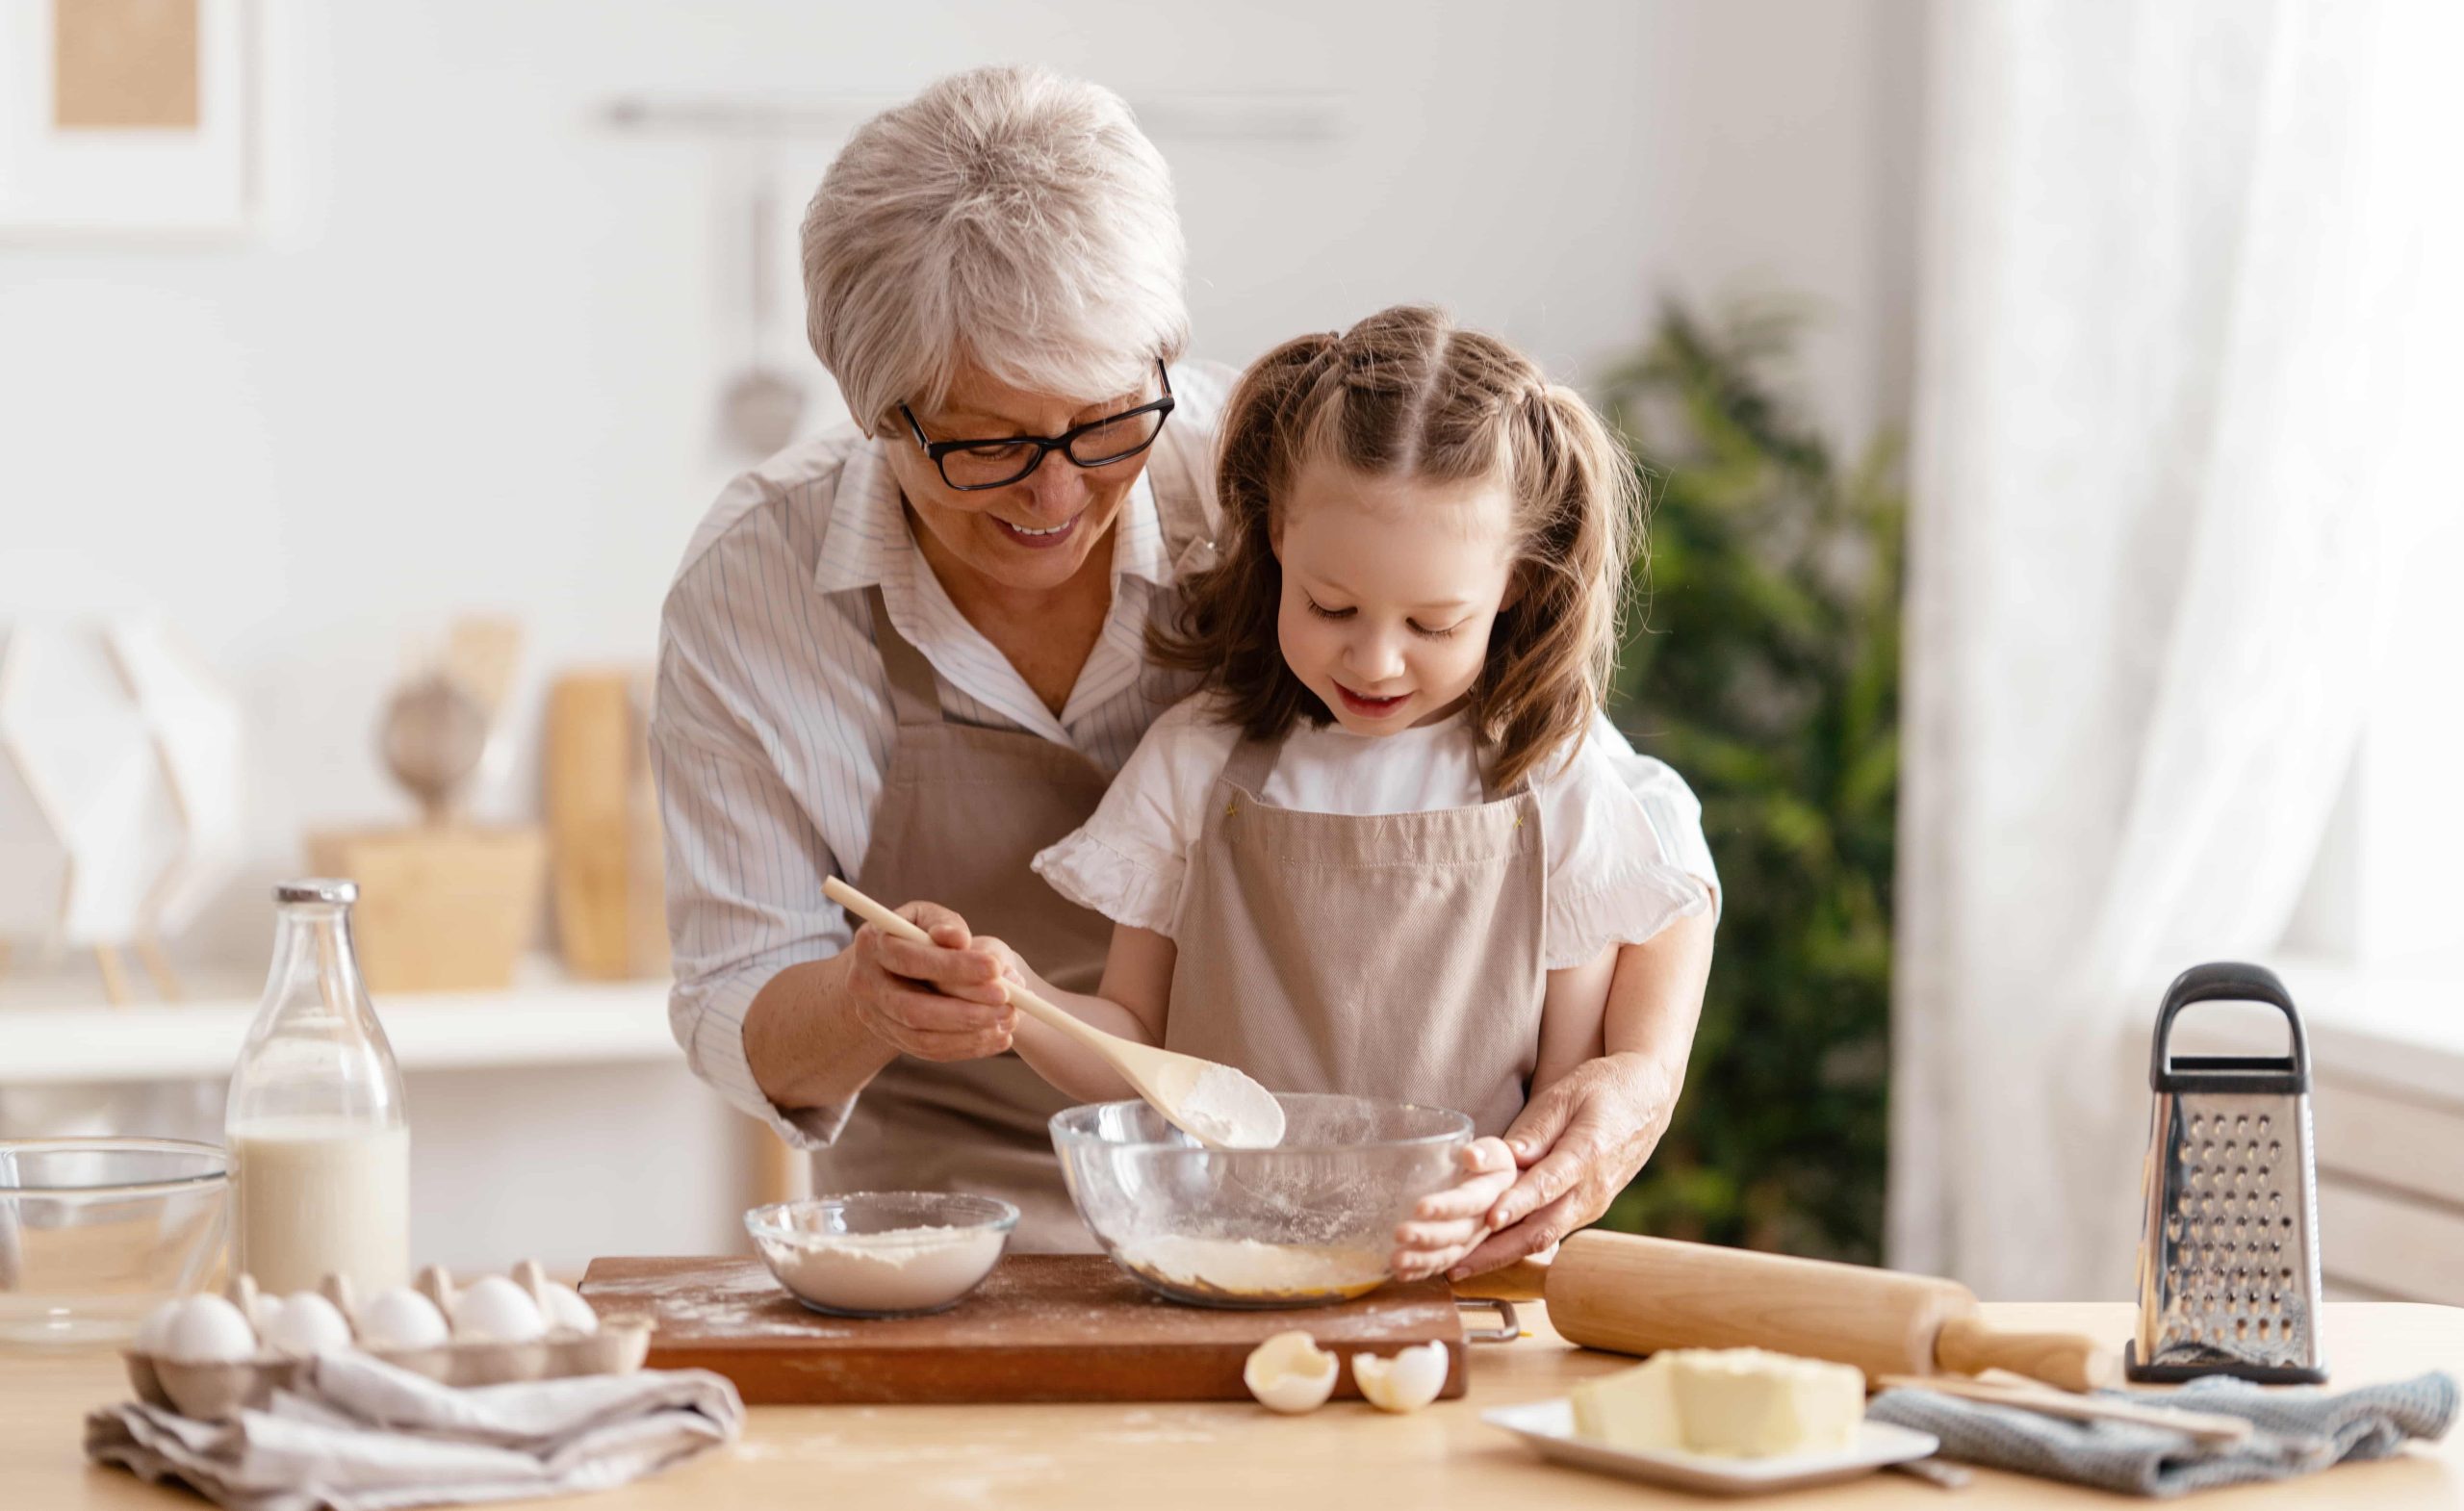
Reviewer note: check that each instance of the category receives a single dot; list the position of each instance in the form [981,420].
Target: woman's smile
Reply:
[1037,539]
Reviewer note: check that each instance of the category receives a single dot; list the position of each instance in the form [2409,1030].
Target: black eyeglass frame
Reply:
[1046,445]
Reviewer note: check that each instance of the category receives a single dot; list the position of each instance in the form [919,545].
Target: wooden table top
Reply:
[1196,1456]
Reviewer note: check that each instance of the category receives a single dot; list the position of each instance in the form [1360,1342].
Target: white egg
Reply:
[496,1310]
[155,1332]
[1406,1382]
[567,1310]
[209,1330]
[1289,1374]
[400,1318]
[306,1324]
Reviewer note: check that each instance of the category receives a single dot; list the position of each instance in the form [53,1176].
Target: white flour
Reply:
[1251,1271]
[904,1269]
[1227,1108]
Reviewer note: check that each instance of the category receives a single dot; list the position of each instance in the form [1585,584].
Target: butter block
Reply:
[1734,1402]
[1632,1409]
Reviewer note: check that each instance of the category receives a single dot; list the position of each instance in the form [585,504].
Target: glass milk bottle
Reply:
[320,1153]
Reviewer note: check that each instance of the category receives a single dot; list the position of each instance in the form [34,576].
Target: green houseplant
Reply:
[1763,664]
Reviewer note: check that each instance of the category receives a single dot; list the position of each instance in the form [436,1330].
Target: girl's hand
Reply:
[1580,1141]
[940,1001]
[1447,1224]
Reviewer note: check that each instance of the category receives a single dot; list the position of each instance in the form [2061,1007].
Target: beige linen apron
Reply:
[1396,956]
[962,811]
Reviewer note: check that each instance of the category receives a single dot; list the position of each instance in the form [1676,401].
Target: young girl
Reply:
[1372,853]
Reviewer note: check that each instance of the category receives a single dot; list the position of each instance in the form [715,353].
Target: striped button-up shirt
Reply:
[773,724]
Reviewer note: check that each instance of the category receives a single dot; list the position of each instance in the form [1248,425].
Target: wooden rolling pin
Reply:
[1630,1295]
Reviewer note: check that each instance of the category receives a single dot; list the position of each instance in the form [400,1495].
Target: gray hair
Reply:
[1006,215]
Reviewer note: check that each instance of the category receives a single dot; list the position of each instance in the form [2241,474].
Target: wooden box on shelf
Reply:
[603,827]
[448,907]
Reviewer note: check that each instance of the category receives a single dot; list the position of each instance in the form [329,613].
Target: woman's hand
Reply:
[1447,1224]
[940,1001]
[1579,1142]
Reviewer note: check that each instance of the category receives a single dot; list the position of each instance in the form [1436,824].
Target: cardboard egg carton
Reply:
[219,1391]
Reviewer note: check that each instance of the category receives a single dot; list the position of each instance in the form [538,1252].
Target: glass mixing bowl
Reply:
[95,1232]
[1309,1221]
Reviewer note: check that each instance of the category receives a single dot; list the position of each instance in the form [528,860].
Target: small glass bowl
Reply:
[860,1253]
[94,1233]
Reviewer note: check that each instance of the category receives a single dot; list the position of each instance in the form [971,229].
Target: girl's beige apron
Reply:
[963,811]
[1397,956]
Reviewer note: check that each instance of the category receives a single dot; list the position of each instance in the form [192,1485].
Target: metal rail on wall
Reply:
[1263,116]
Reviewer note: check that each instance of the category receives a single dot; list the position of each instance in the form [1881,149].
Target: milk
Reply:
[313,1196]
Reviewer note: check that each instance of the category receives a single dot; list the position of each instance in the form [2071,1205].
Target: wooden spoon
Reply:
[1214,1104]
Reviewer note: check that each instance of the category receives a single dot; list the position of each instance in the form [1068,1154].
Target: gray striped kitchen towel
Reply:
[2299,1432]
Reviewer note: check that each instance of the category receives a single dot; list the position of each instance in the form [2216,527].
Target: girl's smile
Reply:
[1368,708]
[1390,585]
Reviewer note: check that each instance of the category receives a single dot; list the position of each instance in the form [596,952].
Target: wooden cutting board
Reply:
[1042,1327]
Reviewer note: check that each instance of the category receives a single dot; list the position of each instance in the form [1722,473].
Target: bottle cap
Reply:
[317,889]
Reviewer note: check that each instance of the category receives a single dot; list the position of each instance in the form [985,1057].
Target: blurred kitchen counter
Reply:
[553,1120]
[1239,1457]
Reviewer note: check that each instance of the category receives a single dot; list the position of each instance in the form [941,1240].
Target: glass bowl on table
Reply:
[1305,1223]
[94,1233]
[874,1254]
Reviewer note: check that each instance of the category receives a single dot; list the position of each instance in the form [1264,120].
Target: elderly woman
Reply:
[912,654]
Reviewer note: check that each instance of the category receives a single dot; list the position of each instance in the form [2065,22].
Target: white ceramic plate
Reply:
[1550,1426]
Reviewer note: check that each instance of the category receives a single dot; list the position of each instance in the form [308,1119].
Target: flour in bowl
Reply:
[1246,1270]
[904,1269]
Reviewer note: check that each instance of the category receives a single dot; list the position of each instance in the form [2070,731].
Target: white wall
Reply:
[473,361]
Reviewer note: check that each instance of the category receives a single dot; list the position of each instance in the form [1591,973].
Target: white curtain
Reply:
[2187,337]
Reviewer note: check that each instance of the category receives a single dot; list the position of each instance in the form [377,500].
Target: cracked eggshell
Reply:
[1289,1374]
[1406,1382]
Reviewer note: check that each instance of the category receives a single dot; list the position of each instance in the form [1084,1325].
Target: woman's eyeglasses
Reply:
[971,465]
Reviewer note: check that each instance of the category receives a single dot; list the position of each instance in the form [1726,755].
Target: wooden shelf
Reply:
[48,1035]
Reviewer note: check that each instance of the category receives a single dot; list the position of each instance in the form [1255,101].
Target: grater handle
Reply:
[2229,981]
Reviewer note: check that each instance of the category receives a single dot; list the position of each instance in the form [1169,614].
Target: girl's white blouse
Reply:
[1612,877]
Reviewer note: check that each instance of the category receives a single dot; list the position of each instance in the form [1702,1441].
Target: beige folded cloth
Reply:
[357,1434]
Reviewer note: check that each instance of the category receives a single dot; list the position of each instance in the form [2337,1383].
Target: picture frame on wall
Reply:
[127,118]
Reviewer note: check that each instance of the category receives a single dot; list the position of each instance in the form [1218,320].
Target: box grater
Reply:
[2228,1258]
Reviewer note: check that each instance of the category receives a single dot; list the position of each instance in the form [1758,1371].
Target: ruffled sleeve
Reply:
[1137,886]
[1628,910]
[1613,879]
[1127,863]
[1675,813]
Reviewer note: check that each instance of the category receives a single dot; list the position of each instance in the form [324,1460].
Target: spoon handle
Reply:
[1107,1045]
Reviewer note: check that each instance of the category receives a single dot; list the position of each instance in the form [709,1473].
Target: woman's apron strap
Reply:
[1184,498]
[912,688]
